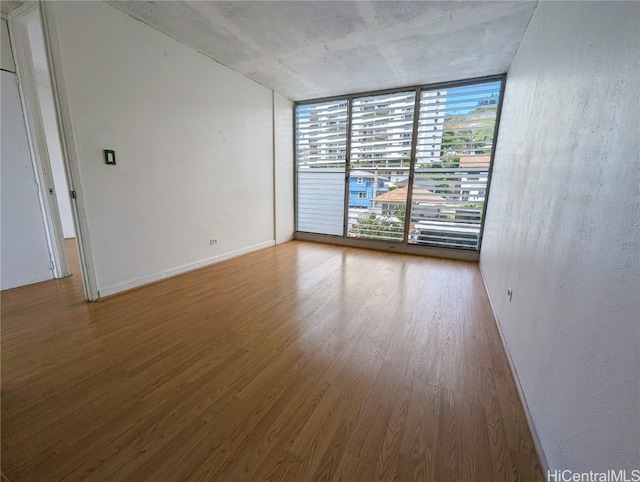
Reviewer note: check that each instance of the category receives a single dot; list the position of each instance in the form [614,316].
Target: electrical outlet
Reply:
[509,293]
[213,241]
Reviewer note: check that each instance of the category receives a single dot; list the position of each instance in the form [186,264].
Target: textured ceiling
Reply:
[312,49]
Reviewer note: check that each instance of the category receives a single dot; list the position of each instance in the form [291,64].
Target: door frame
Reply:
[21,49]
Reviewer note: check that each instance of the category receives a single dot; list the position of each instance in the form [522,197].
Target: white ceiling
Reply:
[313,49]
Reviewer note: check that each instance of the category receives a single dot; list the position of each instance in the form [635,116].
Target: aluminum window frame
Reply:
[401,246]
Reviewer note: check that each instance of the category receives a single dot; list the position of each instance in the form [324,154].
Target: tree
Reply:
[374,227]
[401,211]
[470,133]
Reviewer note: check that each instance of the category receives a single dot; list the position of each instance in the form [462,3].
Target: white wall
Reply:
[49,122]
[24,256]
[562,230]
[6,57]
[193,142]
[283,118]
[56,162]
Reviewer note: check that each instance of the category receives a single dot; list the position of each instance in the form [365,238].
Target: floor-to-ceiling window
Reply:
[380,154]
[408,168]
[321,153]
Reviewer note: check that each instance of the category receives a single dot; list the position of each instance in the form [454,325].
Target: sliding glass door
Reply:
[379,165]
[409,167]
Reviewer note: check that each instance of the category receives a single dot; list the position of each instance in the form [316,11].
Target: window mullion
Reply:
[412,165]
[347,168]
[496,127]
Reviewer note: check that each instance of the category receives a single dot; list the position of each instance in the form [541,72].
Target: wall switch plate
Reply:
[213,241]
[110,157]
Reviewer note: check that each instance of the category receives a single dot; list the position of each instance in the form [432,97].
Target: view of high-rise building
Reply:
[357,157]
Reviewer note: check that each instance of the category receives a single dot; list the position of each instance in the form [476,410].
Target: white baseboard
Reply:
[137,283]
[286,239]
[523,400]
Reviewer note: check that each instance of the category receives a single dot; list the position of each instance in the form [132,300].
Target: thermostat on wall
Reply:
[109,157]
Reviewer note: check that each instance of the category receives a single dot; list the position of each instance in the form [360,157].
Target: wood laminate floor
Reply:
[300,362]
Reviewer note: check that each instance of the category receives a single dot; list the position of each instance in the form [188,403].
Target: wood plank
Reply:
[298,362]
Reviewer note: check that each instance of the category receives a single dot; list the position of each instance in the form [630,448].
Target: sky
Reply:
[462,103]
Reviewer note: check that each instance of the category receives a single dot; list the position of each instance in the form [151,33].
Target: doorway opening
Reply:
[39,98]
